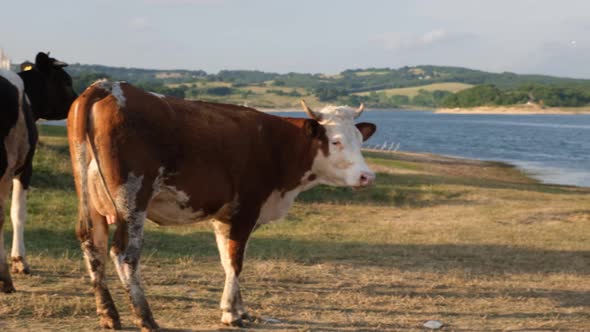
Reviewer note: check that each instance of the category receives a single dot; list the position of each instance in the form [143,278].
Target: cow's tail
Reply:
[82,151]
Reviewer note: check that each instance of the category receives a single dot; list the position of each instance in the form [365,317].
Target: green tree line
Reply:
[491,95]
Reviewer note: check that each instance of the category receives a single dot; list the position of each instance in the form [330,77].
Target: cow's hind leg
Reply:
[231,242]
[125,254]
[18,215]
[5,278]
[94,243]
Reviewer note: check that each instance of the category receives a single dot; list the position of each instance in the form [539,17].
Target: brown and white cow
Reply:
[44,91]
[139,156]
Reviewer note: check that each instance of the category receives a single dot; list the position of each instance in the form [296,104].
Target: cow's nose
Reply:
[366,179]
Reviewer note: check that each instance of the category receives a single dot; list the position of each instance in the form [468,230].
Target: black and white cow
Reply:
[45,91]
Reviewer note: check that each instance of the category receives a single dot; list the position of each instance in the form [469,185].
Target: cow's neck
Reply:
[34,89]
[296,159]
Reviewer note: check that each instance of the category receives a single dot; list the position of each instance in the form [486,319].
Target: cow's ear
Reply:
[42,61]
[367,129]
[312,128]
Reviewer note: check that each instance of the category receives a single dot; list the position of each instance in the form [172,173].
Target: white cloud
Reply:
[404,41]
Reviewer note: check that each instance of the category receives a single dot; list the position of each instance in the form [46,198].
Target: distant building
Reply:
[4,60]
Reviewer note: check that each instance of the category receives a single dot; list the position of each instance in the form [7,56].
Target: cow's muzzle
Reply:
[366,179]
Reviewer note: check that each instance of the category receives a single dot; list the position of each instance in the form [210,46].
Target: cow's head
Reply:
[49,88]
[341,162]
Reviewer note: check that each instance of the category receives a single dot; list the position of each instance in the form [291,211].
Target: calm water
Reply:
[553,148]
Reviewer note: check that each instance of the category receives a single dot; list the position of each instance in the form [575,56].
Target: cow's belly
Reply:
[16,145]
[170,207]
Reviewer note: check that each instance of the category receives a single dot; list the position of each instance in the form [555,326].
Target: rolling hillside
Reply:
[420,86]
[413,91]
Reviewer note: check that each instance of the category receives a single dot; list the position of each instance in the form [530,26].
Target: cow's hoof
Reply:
[246,316]
[238,323]
[110,323]
[8,288]
[149,325]
[232,319]
[150,329]
[19,265]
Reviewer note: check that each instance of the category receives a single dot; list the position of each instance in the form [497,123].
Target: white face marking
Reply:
[345,163]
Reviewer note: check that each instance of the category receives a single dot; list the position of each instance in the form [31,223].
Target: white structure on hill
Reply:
[4,60]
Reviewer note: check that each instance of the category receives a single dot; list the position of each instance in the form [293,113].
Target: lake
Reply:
[552,148]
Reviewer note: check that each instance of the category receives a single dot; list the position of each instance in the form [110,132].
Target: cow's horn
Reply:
[58,63]
[359,111]
[309,112]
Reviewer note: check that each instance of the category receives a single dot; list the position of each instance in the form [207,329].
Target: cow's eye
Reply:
[336,143]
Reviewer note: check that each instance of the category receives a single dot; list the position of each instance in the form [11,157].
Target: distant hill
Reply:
[422,86]
[353,80]
[136,74]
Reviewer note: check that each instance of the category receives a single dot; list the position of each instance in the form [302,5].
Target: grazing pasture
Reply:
[478,246]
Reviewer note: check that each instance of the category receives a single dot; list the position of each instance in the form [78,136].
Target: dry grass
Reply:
[476,245]
[371,73]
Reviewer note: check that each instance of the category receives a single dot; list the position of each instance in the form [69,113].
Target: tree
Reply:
[84,80]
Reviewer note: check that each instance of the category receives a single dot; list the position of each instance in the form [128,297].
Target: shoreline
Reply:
[497,110]
[515,110]
[536,174]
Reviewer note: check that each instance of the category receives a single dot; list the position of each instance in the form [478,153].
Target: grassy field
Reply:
[478,246]
[413,91]
[259,96]
[263,96]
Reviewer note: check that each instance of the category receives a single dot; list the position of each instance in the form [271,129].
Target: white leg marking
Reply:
[18,214]
[232,288]
[127,195]
[124,262]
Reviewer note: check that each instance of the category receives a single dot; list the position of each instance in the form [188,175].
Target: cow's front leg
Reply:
[18,215]
[125,254]
[231,242]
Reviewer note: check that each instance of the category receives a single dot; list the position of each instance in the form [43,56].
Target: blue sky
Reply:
[523,36]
